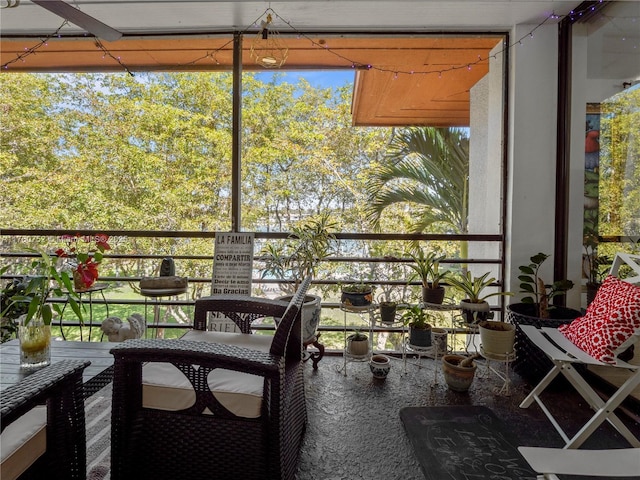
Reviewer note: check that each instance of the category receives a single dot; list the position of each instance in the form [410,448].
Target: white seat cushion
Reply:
[23,442]
[166,388]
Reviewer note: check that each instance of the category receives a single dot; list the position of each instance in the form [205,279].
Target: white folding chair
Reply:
[549,462]
[628,260]
[565,356]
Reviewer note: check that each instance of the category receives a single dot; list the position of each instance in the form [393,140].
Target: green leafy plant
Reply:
[416,317]
[596,266]
[540,293]
[426,267]
[10,312]
[35,288]
[85,263]
[309,243]
[358,336]
[356,288]
[473,287]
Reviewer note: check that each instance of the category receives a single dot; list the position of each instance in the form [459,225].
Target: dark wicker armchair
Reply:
[214,434]
[59,387]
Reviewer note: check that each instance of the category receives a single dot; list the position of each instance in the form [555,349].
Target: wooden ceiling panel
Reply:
[399,80]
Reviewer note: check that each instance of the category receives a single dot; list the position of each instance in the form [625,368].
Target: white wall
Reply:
[532,150]
[485,163]
[485,157]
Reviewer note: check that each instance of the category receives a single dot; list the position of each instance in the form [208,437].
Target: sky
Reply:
[317,78]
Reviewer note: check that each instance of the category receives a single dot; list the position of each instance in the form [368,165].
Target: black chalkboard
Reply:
[463,443]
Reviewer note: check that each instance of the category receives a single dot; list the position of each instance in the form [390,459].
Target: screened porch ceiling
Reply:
[381,97]
[195,35]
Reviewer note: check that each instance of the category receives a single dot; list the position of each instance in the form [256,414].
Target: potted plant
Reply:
[84,262]
[310,242]
[474,306]
[388,310]
[417,320]
[10,311]
[534,309]
[358,344]
[380,366]
[356,295]
[497,338]
[34,325]
[539,293]
[459,371]
[426,267]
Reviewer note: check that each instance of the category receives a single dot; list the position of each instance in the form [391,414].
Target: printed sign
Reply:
[232,272]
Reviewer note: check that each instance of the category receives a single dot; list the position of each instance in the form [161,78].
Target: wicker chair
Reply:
[209,438]
[63,454]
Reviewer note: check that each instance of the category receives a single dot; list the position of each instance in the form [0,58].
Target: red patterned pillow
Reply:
[610,320]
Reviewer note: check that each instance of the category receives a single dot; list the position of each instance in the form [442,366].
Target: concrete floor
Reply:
[354,429]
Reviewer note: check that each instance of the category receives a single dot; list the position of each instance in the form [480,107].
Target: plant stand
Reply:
[429,352]
[156,295]
[316,356]
[98,288]
[362,311]
[505,358]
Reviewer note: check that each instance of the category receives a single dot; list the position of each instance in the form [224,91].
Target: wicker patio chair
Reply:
[43,424]
[215,434]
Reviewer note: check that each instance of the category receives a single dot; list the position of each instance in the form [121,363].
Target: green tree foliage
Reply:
[427,170]
[301,155]
[619,187]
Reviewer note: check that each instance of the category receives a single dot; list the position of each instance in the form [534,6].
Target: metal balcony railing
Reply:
[121,273]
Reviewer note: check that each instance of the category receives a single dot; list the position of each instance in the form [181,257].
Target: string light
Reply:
[320,44]
[32,50]
[107,53]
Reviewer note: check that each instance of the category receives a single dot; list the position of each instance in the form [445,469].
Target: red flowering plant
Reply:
[86,253]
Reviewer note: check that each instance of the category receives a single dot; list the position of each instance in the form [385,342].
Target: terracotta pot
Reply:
[459,379]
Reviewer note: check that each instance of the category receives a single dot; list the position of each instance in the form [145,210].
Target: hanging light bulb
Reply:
[267,49]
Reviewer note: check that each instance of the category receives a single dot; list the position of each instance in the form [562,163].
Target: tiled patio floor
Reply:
[354,430]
